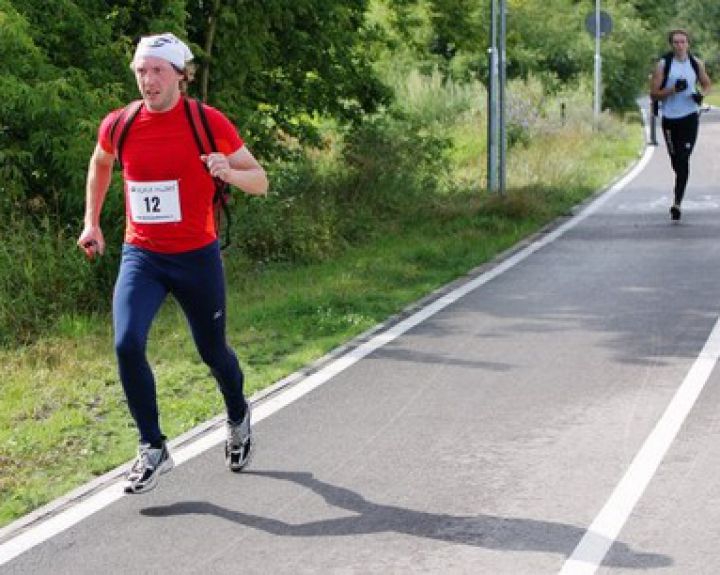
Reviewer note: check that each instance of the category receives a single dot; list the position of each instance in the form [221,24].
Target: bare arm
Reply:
[703,78]
[98,181]
[239,169]
[656,92]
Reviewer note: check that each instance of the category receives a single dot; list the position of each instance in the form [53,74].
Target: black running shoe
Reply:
[147,468]
[675,213]
[239,443]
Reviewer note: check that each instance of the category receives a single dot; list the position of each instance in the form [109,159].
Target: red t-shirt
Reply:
[168,191]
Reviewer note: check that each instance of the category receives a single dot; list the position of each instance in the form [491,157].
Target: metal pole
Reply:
[598,66]
[653,128]
[501,99]
[652,119]
[491,123]
[492,119]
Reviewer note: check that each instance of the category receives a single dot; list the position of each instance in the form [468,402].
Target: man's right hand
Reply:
[91,241]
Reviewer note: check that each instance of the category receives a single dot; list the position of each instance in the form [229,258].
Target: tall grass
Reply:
[42,277]
[434,99]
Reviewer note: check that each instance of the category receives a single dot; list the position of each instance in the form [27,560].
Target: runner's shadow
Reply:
[397,353]
[492,532]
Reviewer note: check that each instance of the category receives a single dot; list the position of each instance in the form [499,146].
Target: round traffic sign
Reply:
[605,23]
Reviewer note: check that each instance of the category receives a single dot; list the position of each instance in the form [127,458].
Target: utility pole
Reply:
[598,68]
[492,116]
[496,139]
[502,75]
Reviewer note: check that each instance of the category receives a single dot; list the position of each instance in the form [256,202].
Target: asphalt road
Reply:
[485,439]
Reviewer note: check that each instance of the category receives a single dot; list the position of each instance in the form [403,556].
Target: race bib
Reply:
[154,202]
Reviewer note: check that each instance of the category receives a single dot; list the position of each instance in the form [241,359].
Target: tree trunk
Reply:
[209,40]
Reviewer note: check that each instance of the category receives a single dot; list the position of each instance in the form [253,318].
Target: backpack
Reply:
[667,59]
[195,113]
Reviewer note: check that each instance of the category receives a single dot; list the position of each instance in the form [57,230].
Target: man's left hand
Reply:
[217,164]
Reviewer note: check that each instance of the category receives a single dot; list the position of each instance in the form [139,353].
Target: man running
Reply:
[681,97]
[171,244]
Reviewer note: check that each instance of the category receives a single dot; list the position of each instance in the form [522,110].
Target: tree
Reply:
[277,66]
[46,136]
[273,66]
[628,54]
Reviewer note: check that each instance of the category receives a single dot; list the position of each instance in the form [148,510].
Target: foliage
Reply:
[372,83]
[274,71]
[627,57]
[556,50]
[701,18]
[452,35]
[276,66]
[387,165]
[43,277]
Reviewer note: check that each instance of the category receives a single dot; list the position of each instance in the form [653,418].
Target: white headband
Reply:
[165,46]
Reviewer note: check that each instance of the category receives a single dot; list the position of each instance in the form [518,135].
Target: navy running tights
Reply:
[680,135]
[196,280]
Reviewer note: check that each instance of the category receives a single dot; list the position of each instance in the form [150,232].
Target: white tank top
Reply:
[680,104]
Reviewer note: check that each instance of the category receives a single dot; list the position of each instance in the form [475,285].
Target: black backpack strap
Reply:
[120,127]
[667,59]
[195,112]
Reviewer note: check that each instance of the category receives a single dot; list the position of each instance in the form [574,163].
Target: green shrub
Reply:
[388,166]
[43,276]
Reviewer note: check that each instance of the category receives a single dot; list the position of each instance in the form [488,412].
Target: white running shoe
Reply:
[239,443]
[147,468]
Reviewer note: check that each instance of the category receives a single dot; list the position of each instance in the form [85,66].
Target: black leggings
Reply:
[680,135]
[196,280]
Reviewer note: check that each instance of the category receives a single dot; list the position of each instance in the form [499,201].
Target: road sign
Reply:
[605,23]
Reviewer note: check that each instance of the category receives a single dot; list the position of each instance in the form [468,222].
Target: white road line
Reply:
[590,552]
[36,534]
